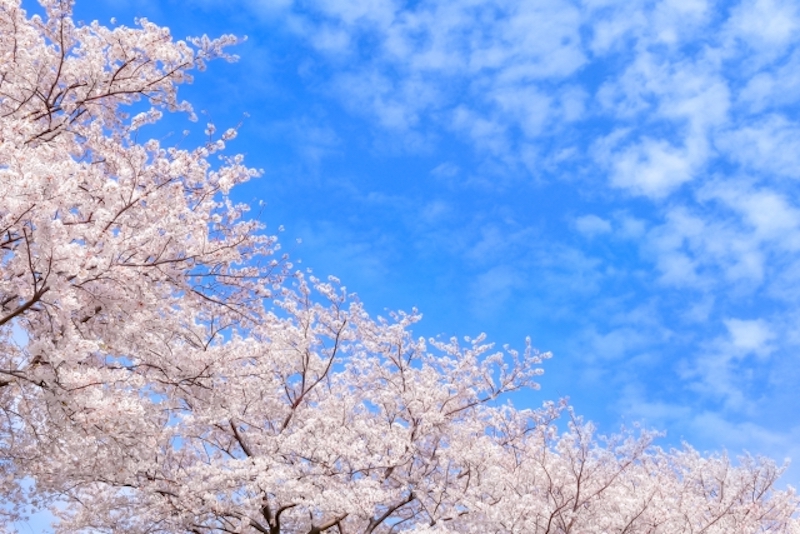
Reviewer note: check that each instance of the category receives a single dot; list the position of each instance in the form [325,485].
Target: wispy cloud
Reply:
[591,225]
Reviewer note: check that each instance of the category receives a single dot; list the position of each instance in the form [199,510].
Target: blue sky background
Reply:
[616,179]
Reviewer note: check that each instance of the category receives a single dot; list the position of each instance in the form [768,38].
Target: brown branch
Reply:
[240,440]
[375,522]
[319,379]
[25,307]
[325,526]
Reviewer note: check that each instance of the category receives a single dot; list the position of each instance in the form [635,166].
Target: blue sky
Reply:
[616,179]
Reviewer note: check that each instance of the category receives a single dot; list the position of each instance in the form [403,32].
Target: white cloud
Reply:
[744,436]
[768,26]
[733,237]
[592,225]
[528,108]
[770,145]
[686,99]
[750,336]
[773,87]
[435,212]
[634,403]
[495,241]
[528,40]
[485,67]
[614,24]
[630,227]
[492,289]
[396,104]
[446,170]
[572,102]
[267,10]
[767,214]
[652,168]
[488,135]
[331,39]
[713,430]
[724,369]
[426,59]
[615,344]
[349,12]
[674,19]
[628,94]
[737,239]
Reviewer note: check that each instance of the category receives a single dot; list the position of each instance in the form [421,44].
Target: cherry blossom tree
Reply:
[161,370]
[109,247]
[325,420]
